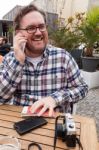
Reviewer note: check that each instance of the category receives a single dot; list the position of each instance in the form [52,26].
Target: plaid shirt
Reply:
[56,75]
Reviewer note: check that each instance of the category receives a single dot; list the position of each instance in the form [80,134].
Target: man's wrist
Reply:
[58,99]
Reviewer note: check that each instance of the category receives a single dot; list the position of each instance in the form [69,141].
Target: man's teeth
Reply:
[38,39]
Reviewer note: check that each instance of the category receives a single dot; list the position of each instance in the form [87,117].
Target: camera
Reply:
[65,130]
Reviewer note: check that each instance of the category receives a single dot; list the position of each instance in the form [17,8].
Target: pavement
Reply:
[89,106]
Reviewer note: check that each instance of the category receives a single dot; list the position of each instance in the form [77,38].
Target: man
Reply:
[4,46]
[36,73]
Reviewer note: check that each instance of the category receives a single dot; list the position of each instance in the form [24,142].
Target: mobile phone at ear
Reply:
[28,124]
[23,46]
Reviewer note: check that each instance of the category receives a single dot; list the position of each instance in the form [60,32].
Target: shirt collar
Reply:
[46,52]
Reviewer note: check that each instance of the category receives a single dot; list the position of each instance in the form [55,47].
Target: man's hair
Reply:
[25,10]
[4,39]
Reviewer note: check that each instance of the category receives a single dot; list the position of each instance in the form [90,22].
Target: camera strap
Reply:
[34,144]
[55,136]
[79,143]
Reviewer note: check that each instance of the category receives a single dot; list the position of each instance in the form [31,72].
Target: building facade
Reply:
[55,9]
[66,8]
[50,16]
[11,14]
[63,8]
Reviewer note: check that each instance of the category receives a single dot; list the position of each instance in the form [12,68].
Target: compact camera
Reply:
[65,130]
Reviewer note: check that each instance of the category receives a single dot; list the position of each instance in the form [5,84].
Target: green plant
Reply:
[68,36]
[80,29]
[10,29]
[90,30]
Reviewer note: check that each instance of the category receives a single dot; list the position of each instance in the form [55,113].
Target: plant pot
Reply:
[91,78]
[90,64]
[76,54]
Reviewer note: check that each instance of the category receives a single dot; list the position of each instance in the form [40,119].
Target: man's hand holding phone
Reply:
[46,103]
[19,47]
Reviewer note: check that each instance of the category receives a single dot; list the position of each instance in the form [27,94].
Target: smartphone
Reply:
[28,124]
[23,46]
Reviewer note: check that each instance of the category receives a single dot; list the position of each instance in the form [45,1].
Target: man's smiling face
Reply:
[36,41]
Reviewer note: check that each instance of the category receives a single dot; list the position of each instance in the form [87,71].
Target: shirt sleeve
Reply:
[10,76]
[76,88]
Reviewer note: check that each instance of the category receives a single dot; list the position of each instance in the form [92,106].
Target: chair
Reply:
[73,108]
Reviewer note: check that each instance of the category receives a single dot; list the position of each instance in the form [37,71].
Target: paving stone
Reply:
[89,106]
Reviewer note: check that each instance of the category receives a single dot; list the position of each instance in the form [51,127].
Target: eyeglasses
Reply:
[32,29]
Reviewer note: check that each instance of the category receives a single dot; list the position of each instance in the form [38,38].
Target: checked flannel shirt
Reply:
[56,75]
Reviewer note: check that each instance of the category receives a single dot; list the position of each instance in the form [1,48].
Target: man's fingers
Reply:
[42,105]
[51,111]
[42,110]
[36,106]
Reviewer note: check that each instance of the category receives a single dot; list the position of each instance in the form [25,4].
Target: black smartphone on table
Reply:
[28,124]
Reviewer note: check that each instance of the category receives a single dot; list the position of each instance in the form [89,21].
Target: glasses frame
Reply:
[41,27]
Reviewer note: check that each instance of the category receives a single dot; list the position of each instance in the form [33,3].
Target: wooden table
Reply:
[45,135]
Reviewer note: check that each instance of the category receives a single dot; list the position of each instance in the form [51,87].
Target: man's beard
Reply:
[33,50]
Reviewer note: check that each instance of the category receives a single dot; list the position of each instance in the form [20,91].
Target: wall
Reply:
[73,6]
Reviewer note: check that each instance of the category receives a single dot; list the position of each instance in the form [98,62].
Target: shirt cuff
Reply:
[60,97]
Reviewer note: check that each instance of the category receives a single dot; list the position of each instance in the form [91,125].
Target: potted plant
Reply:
[68,36]
[90,36]
[82,29]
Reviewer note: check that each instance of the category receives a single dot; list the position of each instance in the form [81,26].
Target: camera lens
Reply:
[71,126]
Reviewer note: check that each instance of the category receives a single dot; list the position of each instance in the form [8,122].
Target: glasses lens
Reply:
[42,27]
[33,29]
